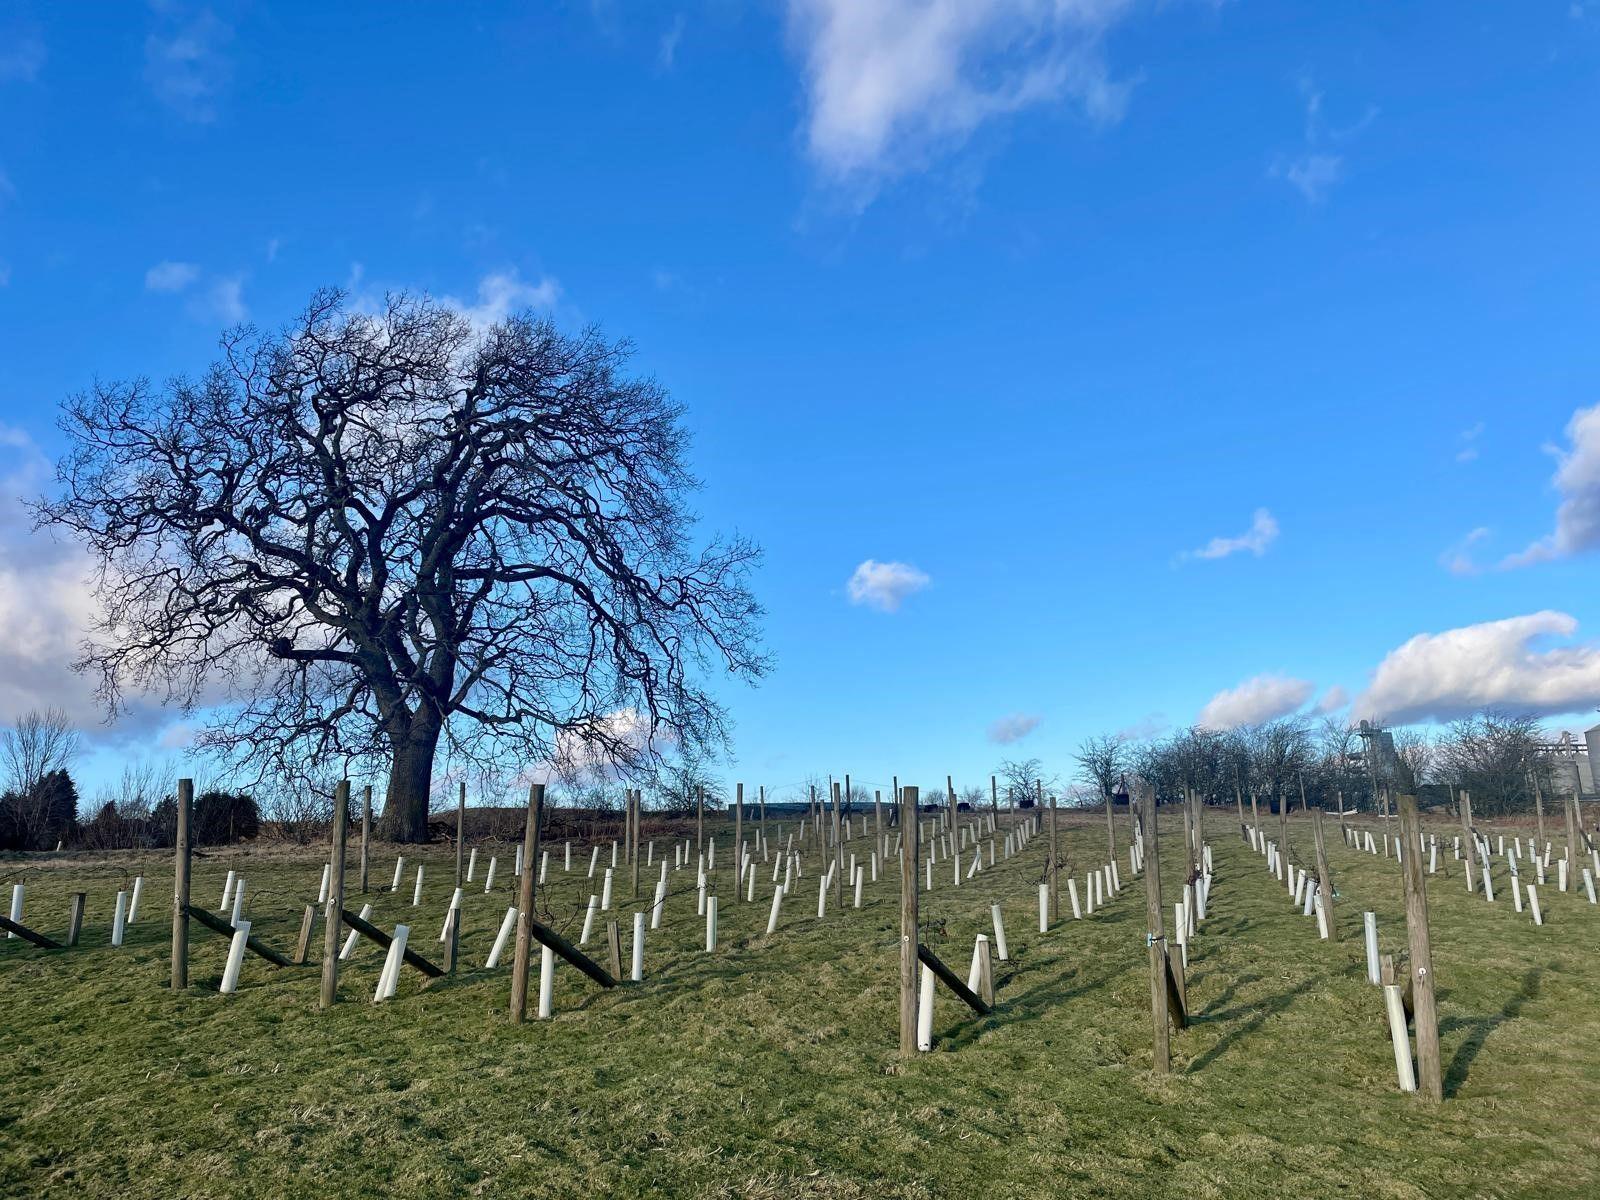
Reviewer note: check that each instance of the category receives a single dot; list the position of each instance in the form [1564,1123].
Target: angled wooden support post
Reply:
[525,921]
[28,935]
[377,936]
[546,936]
[180,887]
[953,981]
[252,943]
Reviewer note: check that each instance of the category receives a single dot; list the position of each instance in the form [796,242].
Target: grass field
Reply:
[770,1067]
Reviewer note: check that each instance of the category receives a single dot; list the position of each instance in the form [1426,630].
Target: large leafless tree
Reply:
[371,531]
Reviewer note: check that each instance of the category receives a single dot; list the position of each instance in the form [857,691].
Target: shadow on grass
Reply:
[1480,1028]
[1259,1011]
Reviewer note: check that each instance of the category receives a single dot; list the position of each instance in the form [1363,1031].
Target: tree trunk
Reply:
[405,806]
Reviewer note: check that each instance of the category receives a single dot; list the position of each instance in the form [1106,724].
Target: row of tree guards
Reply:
[1411,1000]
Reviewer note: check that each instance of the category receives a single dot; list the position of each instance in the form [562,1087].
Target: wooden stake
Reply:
[75,921]
[461,835]
[1427,1016]
[1155,931]
[530,872]
[738,840]
[333,933]
[1055,861]
[906,802]
[302,947]
[1324,878]
[180,887]
[366,832]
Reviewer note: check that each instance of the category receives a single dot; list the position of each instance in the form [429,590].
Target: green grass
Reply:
[770,1068]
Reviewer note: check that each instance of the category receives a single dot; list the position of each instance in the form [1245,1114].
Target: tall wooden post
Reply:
[700,820]
[738,842]
[1111,829]
[955,819]
[366,833]
[1574,843]
[530,873]
[1155,930]
[877,822]
[1255,813]
[180,887]
[994,800]
[1429,1077]
[761,799]
[461,835]
[909,875]
[1324,877]
[1055,859]
[838,849]
[1464,809]
[1538,807]
[1189,872]
[333,914]
[638,828]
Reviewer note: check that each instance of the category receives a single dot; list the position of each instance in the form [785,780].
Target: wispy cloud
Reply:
[893,84]
[1577,481]
[885,585]
[185,62]
[170,276]
[501,293]
[22,56]
[1262,533]
[667,47]
[1458,559]
[1468,442]
[1317,165]
[1012,728]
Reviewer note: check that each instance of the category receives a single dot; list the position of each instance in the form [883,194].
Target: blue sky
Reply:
[1178,349]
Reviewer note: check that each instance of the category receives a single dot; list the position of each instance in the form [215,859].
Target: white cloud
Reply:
[21,57]
[502,293]
[1013,728]
[891,83]
[45,606]
[1440,676]
[1316,167]
[1469,443]
[1333,700]
[177,737]
[667,48]
[1262,698]
[1577,479]
[1262,533]
[1314,174]
[224,299]
[1458,559]
[185,64]
[885,585]
[170,276]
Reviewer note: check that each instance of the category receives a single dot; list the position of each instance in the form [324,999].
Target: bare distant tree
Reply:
[1488,754]
[374,531]
[41,741]
[1104,761]
[1414,754]
[1021,777]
